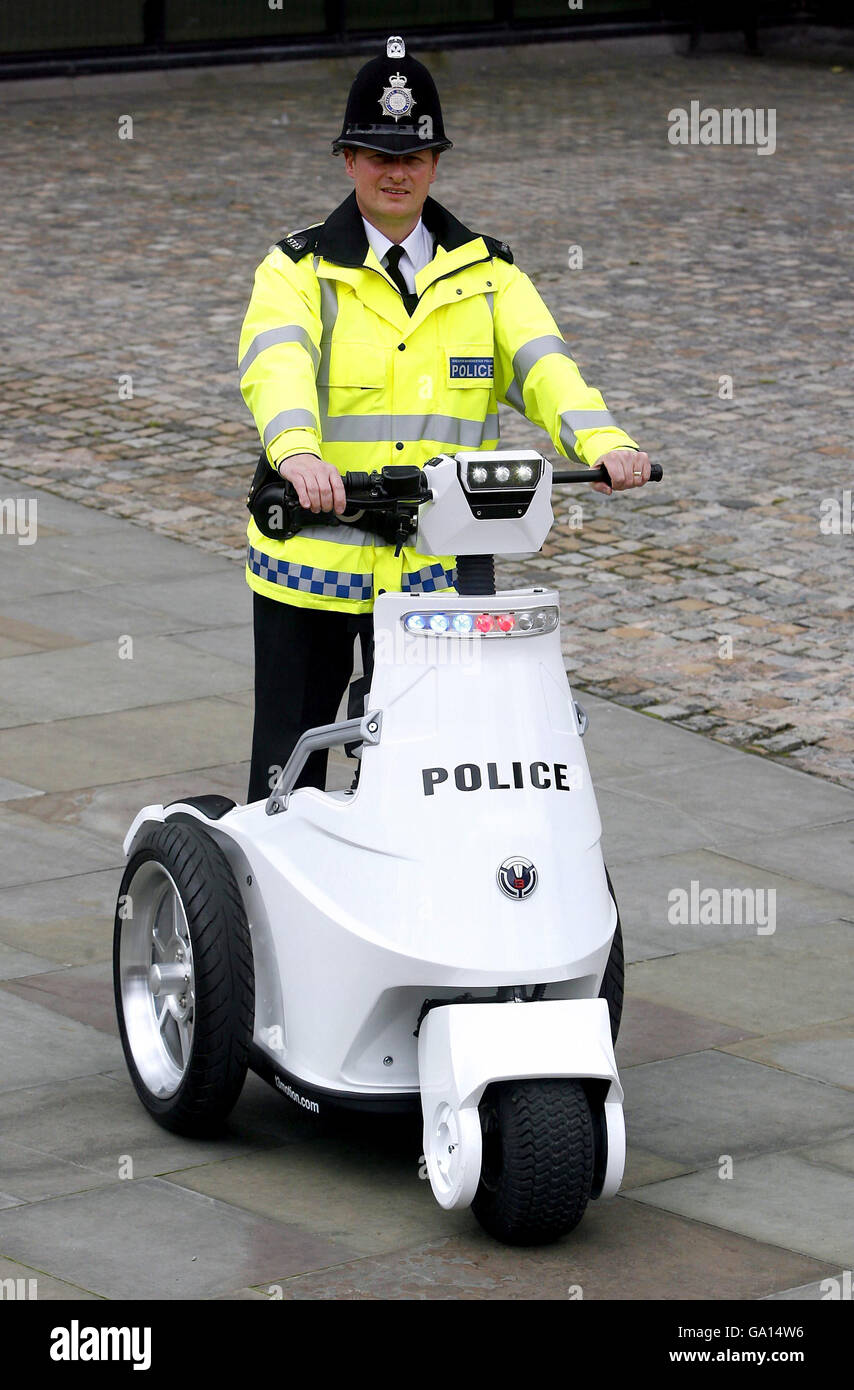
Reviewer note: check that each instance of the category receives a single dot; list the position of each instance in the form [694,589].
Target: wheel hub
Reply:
[156,979]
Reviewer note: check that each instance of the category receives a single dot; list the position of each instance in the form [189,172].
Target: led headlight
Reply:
[497,474]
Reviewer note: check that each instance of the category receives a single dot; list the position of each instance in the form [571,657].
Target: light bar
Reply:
[487,475]
[472,622]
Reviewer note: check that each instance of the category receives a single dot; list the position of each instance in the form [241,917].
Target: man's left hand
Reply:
[626,468]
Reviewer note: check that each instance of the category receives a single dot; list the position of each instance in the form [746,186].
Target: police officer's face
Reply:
[391,188]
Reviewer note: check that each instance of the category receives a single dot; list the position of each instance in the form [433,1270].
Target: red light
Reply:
[506,622]
[483,622]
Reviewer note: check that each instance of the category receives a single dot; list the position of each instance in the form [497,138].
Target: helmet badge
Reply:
[395,47]
[396,100]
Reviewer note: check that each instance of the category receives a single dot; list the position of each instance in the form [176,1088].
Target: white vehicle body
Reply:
[365,905]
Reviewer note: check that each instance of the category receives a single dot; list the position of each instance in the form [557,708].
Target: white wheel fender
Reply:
[453,1151]
[616,1128]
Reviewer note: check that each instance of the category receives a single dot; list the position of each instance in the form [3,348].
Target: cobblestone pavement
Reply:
[716,600]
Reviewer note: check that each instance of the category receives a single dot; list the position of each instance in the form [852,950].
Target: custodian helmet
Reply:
[393,106]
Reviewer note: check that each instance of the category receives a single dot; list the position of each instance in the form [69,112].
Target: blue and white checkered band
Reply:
[396,100]
[428,580]
[309,578]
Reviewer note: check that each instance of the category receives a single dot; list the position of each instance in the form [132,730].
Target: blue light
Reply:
[439,622]
[416,622]
[463,622]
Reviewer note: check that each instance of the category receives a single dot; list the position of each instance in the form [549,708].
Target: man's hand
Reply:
[319,485]
[626,468]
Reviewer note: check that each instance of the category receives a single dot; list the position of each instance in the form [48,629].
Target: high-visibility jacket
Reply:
[331,364]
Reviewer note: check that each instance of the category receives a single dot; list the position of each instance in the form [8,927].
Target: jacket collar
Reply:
[342,239]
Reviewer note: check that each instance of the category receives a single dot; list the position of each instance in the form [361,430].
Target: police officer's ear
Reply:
[350,161]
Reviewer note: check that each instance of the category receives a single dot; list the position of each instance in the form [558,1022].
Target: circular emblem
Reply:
[517,877]
[397,99]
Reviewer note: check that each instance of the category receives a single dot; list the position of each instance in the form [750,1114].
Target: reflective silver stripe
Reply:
[490,299]
[573,420]
[525,358]
[339,535]
[328,307]
[288,333]
[513,396]
[288,420]
[399,429]
[328,317]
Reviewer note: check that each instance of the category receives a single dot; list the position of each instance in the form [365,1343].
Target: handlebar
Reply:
[408,485]
[385,502]
[600,475]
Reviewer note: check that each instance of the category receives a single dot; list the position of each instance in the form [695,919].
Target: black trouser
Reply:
[303,663]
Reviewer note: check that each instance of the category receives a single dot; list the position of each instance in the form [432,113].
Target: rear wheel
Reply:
[537,1169]
[184,979]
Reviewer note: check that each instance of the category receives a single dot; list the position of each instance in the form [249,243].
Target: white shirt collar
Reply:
[417,248]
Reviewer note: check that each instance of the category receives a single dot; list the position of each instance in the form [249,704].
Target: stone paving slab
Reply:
[38,1042]
[837,1154]
[83,992]
[353,1190]
[775,1198]
[824,1052]
[95,679]
[52,1290]
[32,849]
[634,826]
[85,615]
[696,1107]
[127,745]
[749,795]
[807,1293]
[69,920]
[99,1134]
[822,856]
[763,986]
[149,1239]
[21,964]
[651,1031]
[608,1257]
[109,810]
[644,888]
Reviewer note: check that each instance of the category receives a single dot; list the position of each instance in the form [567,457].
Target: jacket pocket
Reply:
[351,366]
[470,365]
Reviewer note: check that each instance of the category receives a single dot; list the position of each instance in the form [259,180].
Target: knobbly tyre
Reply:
[443,934]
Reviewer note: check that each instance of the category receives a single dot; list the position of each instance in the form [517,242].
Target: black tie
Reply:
[392,259]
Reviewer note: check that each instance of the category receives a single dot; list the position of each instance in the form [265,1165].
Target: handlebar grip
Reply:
[656,472]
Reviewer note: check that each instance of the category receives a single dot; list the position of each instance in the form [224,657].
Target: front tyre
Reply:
[537,1169]
[184,979]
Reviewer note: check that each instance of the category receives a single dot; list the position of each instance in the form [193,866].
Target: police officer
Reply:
[386,334]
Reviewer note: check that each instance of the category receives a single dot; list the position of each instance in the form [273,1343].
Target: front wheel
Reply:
[537,1170]
[184,979]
